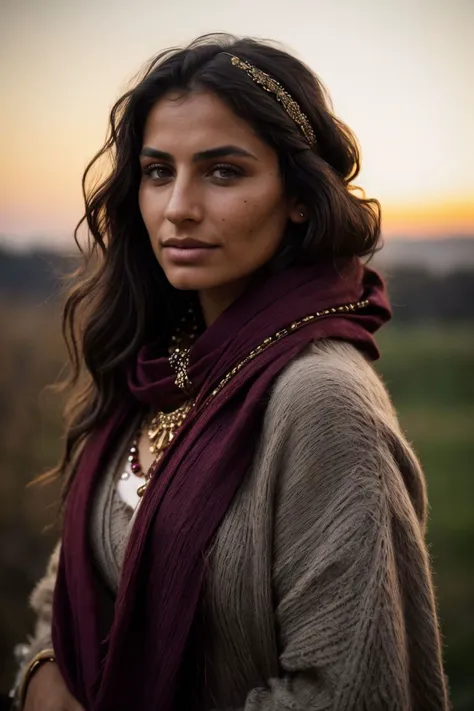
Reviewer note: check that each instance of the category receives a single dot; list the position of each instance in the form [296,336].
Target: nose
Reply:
[184,202]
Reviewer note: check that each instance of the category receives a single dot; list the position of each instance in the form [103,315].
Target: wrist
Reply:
[45,656]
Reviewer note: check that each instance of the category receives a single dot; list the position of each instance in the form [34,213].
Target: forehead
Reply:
[200,120]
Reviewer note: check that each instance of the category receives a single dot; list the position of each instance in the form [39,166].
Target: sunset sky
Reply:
[400,73]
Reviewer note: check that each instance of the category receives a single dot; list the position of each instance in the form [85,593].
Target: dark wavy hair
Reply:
[122,298]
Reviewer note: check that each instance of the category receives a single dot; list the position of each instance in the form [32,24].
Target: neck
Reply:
[216,300]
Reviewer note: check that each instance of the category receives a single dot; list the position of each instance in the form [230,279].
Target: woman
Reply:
[244,520]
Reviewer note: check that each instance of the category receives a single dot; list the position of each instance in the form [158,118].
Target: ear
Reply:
[298,212]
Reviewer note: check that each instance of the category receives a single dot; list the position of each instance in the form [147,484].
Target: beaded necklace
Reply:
[162,427]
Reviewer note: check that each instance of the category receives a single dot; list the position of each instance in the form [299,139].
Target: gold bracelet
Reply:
[46,655]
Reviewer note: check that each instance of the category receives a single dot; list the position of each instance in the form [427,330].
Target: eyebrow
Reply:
[219,152]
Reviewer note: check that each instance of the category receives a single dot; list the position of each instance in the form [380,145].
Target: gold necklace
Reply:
[163,426]
[161,430]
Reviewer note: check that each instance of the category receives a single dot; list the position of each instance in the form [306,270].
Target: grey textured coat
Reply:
[318,593]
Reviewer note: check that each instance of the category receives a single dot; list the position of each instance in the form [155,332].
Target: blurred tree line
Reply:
[417,292]
[427,364]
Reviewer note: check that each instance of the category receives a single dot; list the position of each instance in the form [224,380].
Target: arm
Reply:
[356,618]
[41,602]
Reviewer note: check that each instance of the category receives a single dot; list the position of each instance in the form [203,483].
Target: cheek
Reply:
[256,223]
[152,208]
[150,217]
[144,203]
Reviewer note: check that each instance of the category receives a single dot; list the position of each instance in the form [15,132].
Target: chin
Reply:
[191,280]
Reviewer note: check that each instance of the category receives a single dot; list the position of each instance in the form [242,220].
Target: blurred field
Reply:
[429,371]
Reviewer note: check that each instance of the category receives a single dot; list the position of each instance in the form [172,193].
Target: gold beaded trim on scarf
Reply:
[345,308]
[268,83]
[163,426]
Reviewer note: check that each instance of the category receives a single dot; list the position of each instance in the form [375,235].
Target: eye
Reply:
[225,173]
[157,172]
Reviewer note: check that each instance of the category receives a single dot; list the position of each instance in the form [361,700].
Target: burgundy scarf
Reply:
[138,663]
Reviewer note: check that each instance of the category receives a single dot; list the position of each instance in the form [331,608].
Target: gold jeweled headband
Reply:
[271,85]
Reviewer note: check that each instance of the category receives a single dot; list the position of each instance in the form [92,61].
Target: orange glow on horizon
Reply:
[420,220]
[440,219]
[401,80]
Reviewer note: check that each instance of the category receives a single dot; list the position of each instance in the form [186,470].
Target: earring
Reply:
[301,214]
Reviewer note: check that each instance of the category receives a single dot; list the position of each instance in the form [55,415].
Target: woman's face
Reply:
[206,176]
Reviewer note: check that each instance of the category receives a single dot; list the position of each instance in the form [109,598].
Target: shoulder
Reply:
[331,378]
[334,424]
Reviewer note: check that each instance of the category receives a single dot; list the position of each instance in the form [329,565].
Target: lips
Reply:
[187,244]
[190,252]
